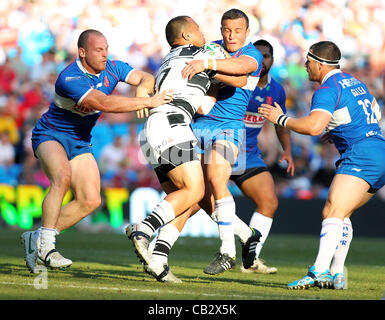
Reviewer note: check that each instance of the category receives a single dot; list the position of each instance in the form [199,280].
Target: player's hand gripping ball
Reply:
[215,51]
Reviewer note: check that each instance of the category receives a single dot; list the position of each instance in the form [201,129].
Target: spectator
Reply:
[111,159]
[7,151]
[8,78]
[32,29]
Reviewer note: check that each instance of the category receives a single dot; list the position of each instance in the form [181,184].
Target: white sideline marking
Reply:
[131,289]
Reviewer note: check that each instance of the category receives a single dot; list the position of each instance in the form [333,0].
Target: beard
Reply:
[264,71]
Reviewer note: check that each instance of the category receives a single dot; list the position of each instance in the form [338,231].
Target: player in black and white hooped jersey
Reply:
[167,142]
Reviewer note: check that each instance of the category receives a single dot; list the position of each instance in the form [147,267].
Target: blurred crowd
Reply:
[38,38]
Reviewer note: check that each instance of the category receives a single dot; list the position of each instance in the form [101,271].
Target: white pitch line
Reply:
[132,289]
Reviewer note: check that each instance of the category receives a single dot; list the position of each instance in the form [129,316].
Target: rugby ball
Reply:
[216,51]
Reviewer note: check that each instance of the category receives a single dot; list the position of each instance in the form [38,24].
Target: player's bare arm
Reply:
[145,84]
[313,124]
[283,135]
[242,65]
[144,81]
[234,81]
[97,100]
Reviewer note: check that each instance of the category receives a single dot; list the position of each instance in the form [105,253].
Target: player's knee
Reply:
[90,204]
[217,182]
[200,193]
[333,209]
[273,204]
[197,192]
[63,181]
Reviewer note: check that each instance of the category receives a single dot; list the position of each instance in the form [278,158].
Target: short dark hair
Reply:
[233,14]
[174,28]
[326,50]
[83,38]
[264,43]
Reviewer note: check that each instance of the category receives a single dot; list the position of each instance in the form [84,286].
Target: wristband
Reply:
[282,120]
[214,65]
[210,64]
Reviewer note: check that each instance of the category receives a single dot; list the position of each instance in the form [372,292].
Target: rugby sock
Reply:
[225,209]
[329,238]
[241,229]
[263,225]
[214,216]
[165,241]
[343,248]
[47,238]
[161,215]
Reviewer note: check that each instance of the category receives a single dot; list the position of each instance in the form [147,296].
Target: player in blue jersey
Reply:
[221,133]
[257,174]
[61,139]
[181,180]
[343,105]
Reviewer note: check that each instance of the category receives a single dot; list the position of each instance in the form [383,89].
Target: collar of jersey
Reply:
[84,70]
[329,74]
[180,46]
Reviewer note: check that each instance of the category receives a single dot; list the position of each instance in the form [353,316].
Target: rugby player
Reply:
[343,105]
[61,140]
[256,181]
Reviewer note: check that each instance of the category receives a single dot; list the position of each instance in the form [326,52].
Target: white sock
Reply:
[168,234]
[343,248]
[225,208]
[241,229]
[160,216]
[329,238]
[47,238]
[263,225]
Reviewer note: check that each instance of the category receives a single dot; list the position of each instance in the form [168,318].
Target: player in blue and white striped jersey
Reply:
[61,139]
[343,105]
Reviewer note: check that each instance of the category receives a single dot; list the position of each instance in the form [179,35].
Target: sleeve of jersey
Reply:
[75,88]
[122,70]
[325,99]
[252,52]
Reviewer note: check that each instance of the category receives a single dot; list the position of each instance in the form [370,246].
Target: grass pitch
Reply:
[105,268]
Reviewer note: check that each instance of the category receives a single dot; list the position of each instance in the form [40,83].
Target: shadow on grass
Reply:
[228,279]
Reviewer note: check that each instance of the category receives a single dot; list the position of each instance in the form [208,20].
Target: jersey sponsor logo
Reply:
[253,120]
[346,83]
[72,78]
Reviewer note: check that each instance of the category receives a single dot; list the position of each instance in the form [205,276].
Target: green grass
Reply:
[105,267]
